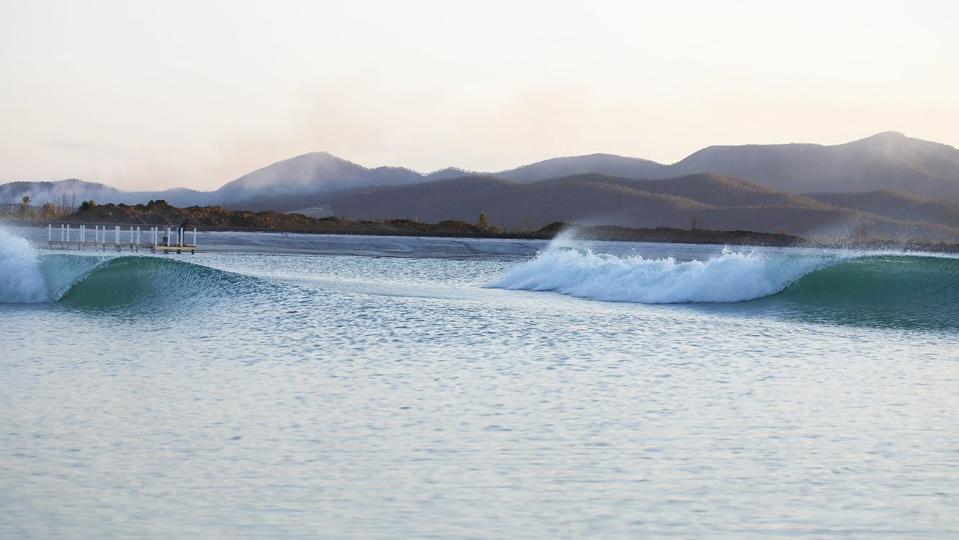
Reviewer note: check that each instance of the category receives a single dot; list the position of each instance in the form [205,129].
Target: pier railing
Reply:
[120,238]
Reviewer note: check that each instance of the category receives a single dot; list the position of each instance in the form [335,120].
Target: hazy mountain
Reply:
[606,164]
[56,192]
[510,204]
[708,200]
[449,172]
[887,161]
[306,175]
[884,162]
[76,191]
[894,205]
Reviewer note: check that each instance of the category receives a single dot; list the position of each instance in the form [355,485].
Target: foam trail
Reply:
[21,280]
[729,277]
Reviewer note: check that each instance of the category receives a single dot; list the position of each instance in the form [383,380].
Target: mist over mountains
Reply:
[890,183]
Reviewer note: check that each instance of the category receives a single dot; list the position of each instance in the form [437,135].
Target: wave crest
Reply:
[21,280]
[26,277]
[729,277]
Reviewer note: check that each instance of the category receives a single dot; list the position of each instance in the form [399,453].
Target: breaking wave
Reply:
[729,277]
[95,281]
[872,288]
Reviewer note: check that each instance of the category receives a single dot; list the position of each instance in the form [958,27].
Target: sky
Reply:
[150,95]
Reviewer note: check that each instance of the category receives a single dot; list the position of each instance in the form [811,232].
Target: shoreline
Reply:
[599,233]
[216,218]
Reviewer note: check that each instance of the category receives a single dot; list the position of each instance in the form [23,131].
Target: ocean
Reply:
[310,386]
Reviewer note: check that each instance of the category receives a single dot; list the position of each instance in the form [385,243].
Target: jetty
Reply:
[121,238]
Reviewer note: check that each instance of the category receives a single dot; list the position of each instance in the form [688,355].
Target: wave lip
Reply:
[729,277]
[21,280]
[86,281]
[106,282]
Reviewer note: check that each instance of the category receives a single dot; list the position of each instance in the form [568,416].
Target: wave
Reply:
[901,289]
[905,291]
[153,281]
[21,280]
[27,277]
[729,277]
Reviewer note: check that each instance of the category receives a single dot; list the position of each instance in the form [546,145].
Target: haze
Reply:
[153,95]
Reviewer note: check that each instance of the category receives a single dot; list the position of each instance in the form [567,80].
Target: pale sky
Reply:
[144,95]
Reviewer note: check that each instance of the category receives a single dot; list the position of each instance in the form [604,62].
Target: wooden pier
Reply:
[115,238]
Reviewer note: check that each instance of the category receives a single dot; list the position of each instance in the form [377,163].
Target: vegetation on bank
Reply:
[26,212]
[162,214]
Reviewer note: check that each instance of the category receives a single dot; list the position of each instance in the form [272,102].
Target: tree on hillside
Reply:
[48,210]
[483,222]
[88,205]
[25,206]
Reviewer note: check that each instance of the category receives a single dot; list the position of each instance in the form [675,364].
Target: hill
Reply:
[605,164]
[701,201]
[305,176]
[887,161]
[58,192]
[895,205]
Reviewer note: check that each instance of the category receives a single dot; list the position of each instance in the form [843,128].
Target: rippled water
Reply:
[312,386]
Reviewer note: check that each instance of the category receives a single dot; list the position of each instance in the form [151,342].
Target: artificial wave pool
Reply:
[373,387]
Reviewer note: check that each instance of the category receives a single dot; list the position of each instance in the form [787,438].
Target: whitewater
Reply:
[340,386]
[732,276]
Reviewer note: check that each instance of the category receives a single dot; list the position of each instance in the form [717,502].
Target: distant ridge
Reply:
[606,164]
[306,174]
[700,200]
[887,177]
[55,191]
[886,161]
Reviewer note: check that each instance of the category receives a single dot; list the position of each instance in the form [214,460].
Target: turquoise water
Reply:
[293,386]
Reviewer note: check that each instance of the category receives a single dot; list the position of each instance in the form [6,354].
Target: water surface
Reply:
[293,386]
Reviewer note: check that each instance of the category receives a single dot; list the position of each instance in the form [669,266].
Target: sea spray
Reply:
[21,280]
[729,277]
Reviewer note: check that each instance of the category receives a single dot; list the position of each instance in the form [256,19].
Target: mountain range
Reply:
[889,183]
[708,201]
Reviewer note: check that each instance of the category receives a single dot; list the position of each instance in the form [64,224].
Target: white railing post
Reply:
[68,232]
[168,237]
[138,235]
[194,236]
[116,235]
[49,232]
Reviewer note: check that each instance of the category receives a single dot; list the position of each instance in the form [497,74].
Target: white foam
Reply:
[21,280]
[729,277]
